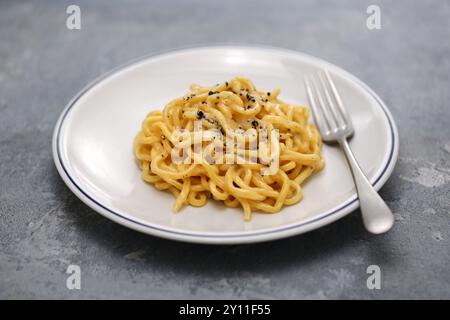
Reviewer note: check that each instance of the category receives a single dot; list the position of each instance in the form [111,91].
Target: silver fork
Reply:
[335,125]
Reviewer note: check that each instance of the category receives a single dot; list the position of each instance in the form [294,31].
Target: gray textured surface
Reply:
[44,227]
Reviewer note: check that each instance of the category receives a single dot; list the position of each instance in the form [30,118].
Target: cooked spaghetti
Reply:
[230,108]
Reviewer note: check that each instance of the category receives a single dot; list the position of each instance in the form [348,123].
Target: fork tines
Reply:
[326,105]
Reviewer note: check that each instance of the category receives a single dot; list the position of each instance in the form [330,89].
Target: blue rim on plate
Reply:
[58,159]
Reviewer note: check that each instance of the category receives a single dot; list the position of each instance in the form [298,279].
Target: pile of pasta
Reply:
[229,107]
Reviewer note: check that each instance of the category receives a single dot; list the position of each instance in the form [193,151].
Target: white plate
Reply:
[92,144]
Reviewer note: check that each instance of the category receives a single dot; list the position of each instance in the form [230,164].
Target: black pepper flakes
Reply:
[200,114]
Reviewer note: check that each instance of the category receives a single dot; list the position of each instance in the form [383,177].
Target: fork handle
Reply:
[377,216]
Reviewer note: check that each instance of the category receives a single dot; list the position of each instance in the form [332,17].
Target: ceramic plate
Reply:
[92,144]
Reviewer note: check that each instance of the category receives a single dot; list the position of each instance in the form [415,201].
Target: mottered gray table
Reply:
[44,228]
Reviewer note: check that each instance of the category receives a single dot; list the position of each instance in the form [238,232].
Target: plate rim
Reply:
[236,237]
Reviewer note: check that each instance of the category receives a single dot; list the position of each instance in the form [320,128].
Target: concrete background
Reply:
[44,227]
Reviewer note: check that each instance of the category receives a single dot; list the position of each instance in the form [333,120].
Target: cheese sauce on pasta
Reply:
[228,108]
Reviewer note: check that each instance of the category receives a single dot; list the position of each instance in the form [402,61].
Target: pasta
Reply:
[260,149]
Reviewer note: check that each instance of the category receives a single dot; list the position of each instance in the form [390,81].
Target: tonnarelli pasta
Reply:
[259,149]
